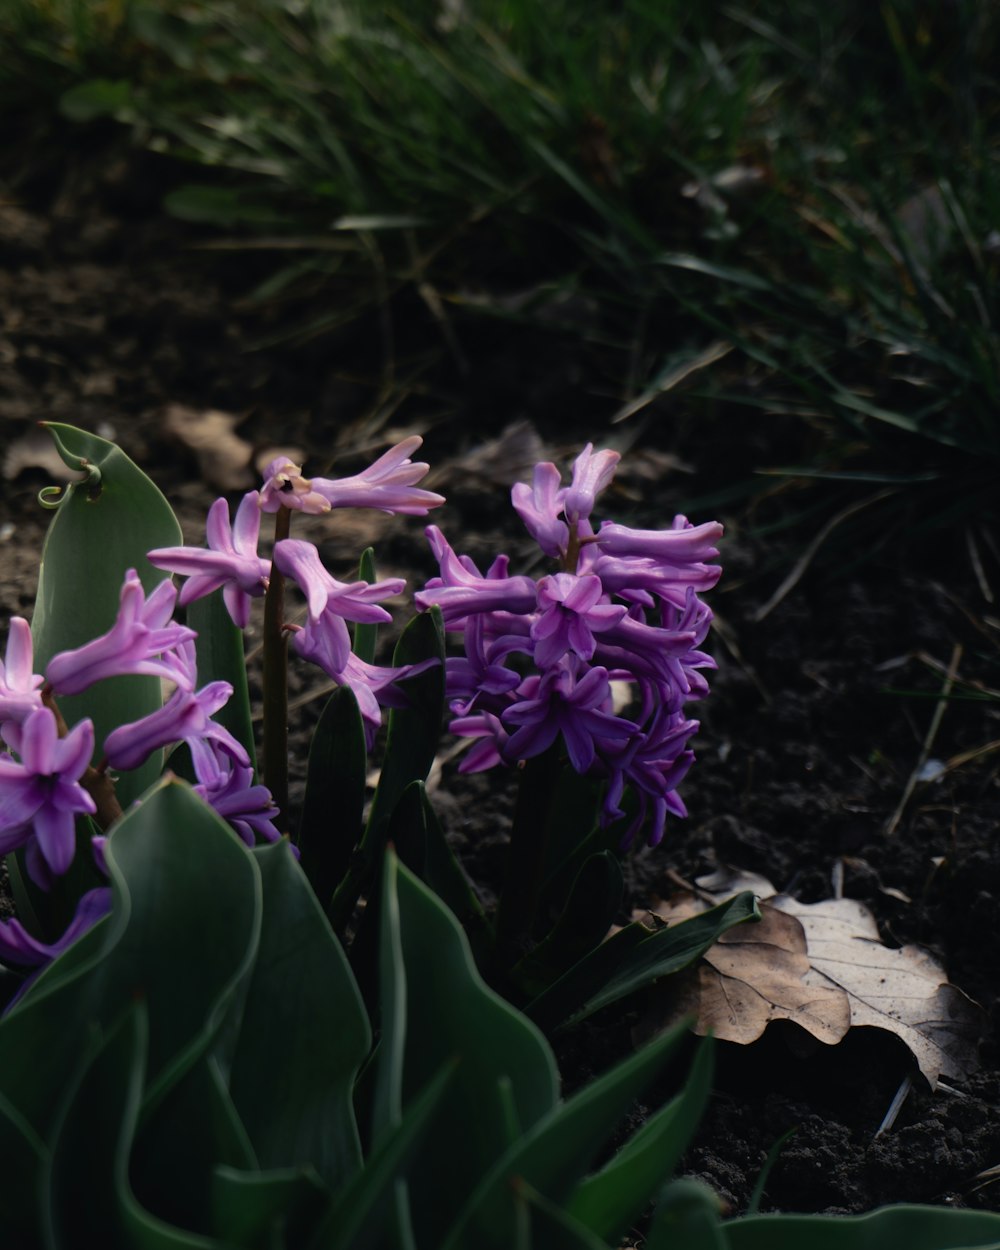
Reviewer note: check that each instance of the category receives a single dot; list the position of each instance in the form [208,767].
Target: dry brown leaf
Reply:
[905,991]
[223,457]
[827,971]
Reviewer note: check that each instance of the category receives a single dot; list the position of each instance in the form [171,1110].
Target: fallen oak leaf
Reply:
[827,972]
[905,991]
[751,976]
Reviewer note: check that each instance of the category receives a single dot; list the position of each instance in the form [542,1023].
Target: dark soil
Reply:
[110,312]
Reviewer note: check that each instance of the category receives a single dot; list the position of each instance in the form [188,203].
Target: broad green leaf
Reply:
[93,1140]
[590,910]
[102,527]
[420,842]
[366,636]
[22,1157]
[333,809]
[688,1215]
[554,1155]
[186,912]
[411,744]
[220,655]
[607,1201]
[505,1068]
[304,1033]
[552,1226]
[902,1227]
[172,1166]
[260,1210]
[632,958]
[360,1216]
[414,730]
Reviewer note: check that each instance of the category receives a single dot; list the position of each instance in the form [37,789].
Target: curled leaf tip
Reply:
[51,497]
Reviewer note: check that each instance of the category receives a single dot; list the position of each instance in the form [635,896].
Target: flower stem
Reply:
[276,680]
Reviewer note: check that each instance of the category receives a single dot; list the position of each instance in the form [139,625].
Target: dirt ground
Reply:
[110,313]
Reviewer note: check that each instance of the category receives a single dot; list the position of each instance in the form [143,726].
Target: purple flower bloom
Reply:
[570,613]
[141,634]
[17,946]
[539,506]
[41,796]
[185,717]
[559,703]
[227,786]
[285,487]
[230,560]
[623,608]
[592,472]
[325,639]
[20,692]
[462,590]
[387,485]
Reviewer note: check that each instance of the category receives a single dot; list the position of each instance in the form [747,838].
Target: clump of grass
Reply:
[758,208]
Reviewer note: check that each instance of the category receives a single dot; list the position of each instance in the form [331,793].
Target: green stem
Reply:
[526,856]
[276,679]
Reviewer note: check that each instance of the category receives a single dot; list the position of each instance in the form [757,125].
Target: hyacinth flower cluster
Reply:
[541,654]
[49,773]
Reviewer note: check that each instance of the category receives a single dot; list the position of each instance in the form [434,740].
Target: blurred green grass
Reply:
[786,215]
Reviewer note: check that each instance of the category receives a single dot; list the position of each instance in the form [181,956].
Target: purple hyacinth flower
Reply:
[20,687]
[17,946]
[570,613]
[560,703]
[325,639]
[540,506]
[681,551]
[285,487]
[463,591]
[230,560]
[40,797]
[592,472]
[227,786]
[388,484]
[135,644]
[185,717]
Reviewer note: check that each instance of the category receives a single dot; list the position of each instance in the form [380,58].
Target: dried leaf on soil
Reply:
[824,967]
[223,457]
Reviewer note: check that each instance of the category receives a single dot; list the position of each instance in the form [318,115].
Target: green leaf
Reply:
[101,528]
[259,1210]
[171,1168]
[22,1157]
[186,913]
[592,905]
[361,1213]
[220,655]
[554,1227]
[608,1200]
[553,1156]
[420,842]
[632,958]
[93,1139]
[333,809]
[366,636]
[506,1071]
[99,97]
[304,1033]
[411,744]
[414,730]
[688,1214]
[901,1227]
